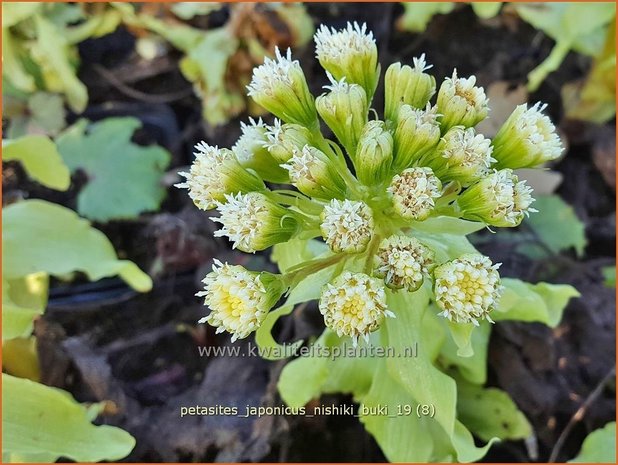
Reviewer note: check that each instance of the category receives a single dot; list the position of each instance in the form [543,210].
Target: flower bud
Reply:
[251,153]
[354,305]
[413,193]
[350,53]
[374,154]
[416,134]
[347,226]
[461,103]
[239,299]
[462,155]
[344,110]
[527,139]
[279,86]
[253,222]
[214,173]
[403,262]
[407,85]
[467,288]
[313,173]
[283,140]
[499,199]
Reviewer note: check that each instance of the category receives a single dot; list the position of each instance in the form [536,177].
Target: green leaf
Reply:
[447,225]
[124,179]
[187,10]
[462,336]
[206,65]
[46,423]
[473,368]
[486,10]
[445,246]
[540,302]
[40,236]
[490,413]
[416,16]
[22,300]
[424,381]
[553,211]
[295,251]
[12,67]
[596,100]
[574,25]
[41,160]
[599,446]
[55,55]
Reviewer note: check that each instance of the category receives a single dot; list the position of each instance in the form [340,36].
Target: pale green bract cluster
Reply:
[364,194]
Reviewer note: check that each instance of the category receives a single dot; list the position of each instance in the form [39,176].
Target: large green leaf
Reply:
[599,446]
[40,236]
[542,302]
[555,211]
[45,423]
[124,179]
[490,413]
[41,160]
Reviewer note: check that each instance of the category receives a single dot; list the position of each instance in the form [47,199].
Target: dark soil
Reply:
[102,341]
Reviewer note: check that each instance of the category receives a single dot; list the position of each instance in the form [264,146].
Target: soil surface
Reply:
[102,341]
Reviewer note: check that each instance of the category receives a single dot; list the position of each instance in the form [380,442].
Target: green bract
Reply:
[395,269]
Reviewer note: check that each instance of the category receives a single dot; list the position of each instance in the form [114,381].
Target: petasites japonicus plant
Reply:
[374,228]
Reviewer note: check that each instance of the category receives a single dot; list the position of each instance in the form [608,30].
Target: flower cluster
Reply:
[365,194]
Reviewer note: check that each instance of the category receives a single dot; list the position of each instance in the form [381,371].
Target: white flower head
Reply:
[351,53]
[302,163]
[499,199]
[347,226]
[354,305]
[311,172]
[252,222]
[331,44]
[283,139]
[273,73]
[279,85]
[238,299]
[408,85]
[403,262]
[527,139]
[461,102]
[414,192]
[464,156]
[204,181]
[252,138]
[467,288]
